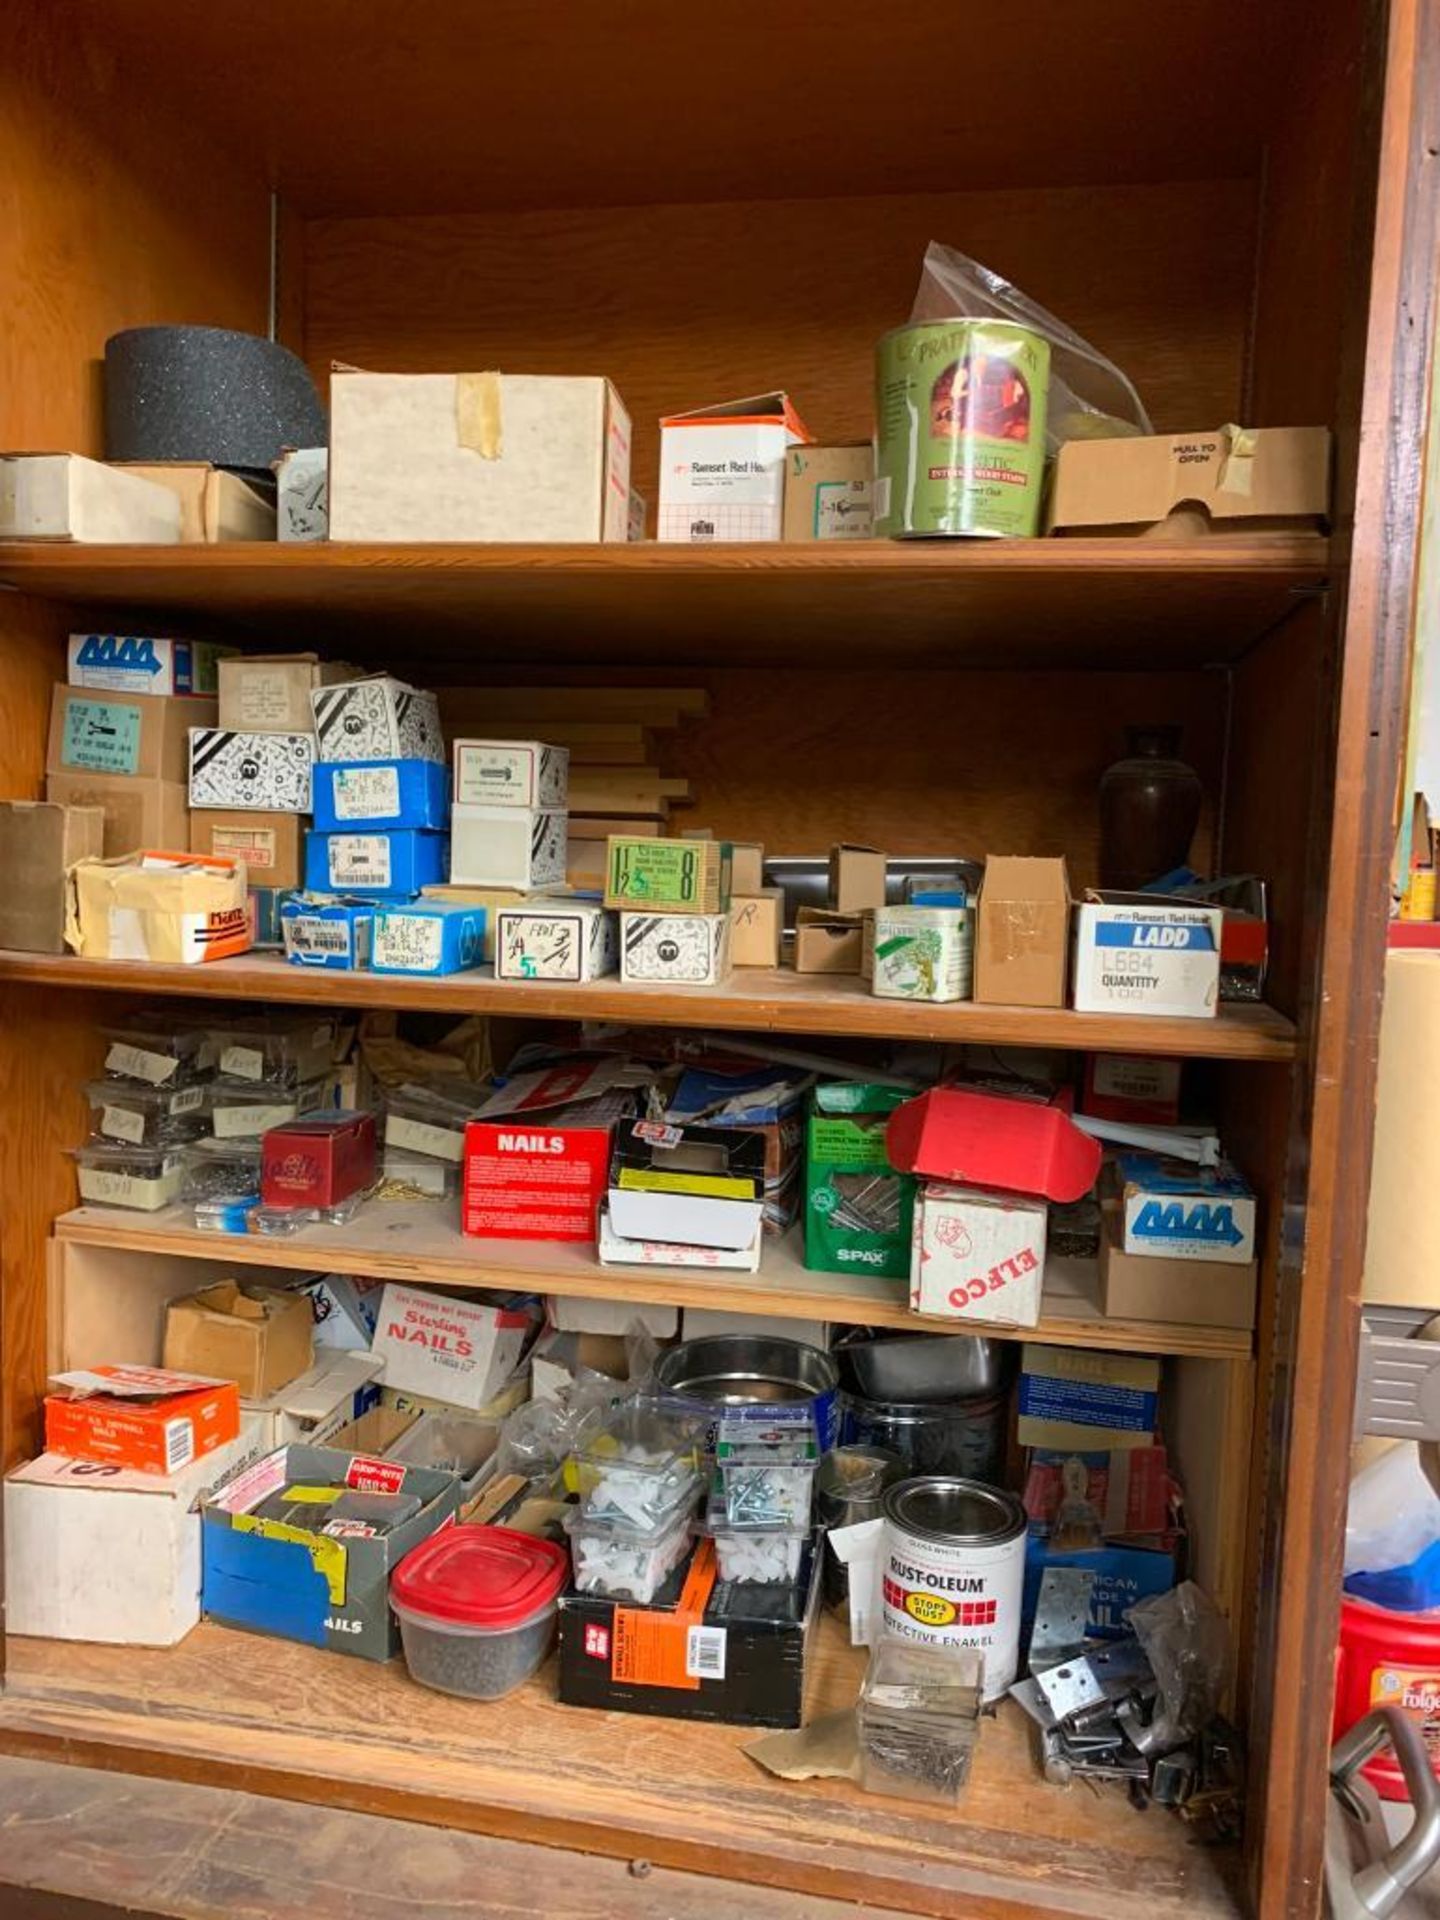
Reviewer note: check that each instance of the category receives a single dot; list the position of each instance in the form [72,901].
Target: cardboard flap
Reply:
[756,409]
[986,1140]
[128,1383]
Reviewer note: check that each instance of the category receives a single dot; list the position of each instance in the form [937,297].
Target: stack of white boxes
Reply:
[509,824]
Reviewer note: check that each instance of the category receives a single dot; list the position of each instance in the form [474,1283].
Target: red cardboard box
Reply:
[1141,1090]
[540,1176]
[140,1417]
[988,1140]
[318,1160]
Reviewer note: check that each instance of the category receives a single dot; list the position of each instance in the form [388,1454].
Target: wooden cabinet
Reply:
[1239,203]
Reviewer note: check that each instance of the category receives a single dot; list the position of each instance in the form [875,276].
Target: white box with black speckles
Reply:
[376,719]
[675,949]
[260,772]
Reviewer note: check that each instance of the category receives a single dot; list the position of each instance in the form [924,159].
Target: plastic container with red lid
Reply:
[477,1608]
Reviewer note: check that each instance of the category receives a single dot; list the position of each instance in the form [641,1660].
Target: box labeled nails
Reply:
[507,847]
[382,793]
[682,949]
[269,772]
[399,862]
[376,719]
[512,773]
[327,933]
[428,937]
[556,941]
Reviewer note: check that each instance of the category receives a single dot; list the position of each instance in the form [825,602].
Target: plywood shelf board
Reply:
[755,1000]
[1077,603]
[243,1710]
[420,1242]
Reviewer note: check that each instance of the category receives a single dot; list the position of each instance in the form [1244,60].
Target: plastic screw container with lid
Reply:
[628,1563]
[768,1472]
[477,1608]
[146,1178]
[638,1466]
[243,1110]
[142,1116]
[918,1719]
[273,1052]
[156,1054]
[755,1556]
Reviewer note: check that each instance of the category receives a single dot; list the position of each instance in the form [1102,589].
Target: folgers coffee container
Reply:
[960,428]
[953,1557]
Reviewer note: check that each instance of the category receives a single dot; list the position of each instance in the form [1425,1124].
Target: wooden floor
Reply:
[262,1716]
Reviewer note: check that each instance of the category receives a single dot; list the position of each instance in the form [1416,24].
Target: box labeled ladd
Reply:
[263,772]
[511,773]
[554,940]
[1161,959]
[677,949]
[376,719]
[977,1254]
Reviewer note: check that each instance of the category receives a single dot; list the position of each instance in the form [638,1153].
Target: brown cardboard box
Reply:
[214,505]
[757,925]
[1193,1293]
[827,942]
[270,692]
[132,735]
[38,841]
[138,813]
[170,907]
[828,493]
[857,878]
[747,867]
[1022,942]
[272,845]
[256,1336]
[1228,480]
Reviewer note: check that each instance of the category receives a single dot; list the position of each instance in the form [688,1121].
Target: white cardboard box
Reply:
[380,718]
[477,456]
[63,496]
[508,847]
[616,1251]
[977,1254]
[555,940]
[1163,959]
[722,469]
[511,773]
[336,1390]
[681,949]
[459,1351]
[611,1316]
[264,772]
[103,1554]
[302,494]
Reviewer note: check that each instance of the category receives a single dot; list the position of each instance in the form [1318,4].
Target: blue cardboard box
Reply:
[269,1575]
[349,795]
[1126,1572]
[428,936]
[393,864]
[326,932]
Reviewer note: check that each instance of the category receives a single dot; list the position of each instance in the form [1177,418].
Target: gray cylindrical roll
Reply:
[205,393]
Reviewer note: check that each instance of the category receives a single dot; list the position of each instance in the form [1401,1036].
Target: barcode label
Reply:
[135,1063]
[321,936]
[187,1100]
[705,1653]
[179,1445]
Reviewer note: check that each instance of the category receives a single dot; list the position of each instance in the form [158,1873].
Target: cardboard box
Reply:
[214,505]
[271,692]
[757,928]
[158,906]
[136,813]
[1022,946]
[612,1317]
[828,493]
[460,1350]
[977,1255]
[381,794]
[1088,1401]
[62,496]
[667,876]
[857,878]
[379,718]
[556,940]
[975,1136]
[858,1209]
[344,1309]
[1163,959]
[1230,480]
[1175,1290]
[327,933]
[1142,1090]
[689,1186]
[318,1160]
[268,844]
[123,733]
[827,942]
[747,867]
[921,953]
[1185,1212]
[109,1556]
[39,842]
[302,494]
[507,847]
[512,773]
[494,900]
[616,1251]
[722,469]
[134,663]
[148,1418]
[675,949]
[767,1101]
[428,937]
[477,456]
[540,1177]
[704,1649]
[1115,1493]
[300,1583]
[341,1386]
[1125,1574]
[259,1337]
[397,864]
[264,772]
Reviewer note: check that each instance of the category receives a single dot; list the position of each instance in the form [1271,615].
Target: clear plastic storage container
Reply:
[153,1053]
[755,1556]
[405,1172]
[626,1562]
[767,1471]
[477,1608]
[222,1167]
[918,1720]
[146,1178]
[430,1121]
[137,1115]
[240,1110]
[272,1052]
[637,1465]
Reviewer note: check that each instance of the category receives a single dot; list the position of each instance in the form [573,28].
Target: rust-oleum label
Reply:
[951,1592]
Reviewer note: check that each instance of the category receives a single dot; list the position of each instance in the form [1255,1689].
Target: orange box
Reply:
[140,1417]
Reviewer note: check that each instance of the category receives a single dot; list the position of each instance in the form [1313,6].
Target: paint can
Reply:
[953,1570]
[960,428]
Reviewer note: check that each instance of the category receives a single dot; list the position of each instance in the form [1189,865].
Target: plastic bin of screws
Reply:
[429,1122]
[145,1116]
[755,1556]
[637,1466]
[157,1054]
[276,1053]
[628,1563]
[143,1178]
[919,1719]
[241,1110]
[767,1472]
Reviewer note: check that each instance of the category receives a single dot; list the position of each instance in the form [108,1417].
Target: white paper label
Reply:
[179,1445]
[501,776]
[187,1100]
[136,1064]
[123,1123]
[242,1063]
[441,1143]
[531,948]
[705,1653]
[265,697]
[359,860]
[307,933]
[112,1187]
[246,1121]
[366,793]
[408,942]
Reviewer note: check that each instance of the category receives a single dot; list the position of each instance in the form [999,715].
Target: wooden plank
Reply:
[270,1717]
[623,790]
[756,999]
[419,1241]
[1077,603]
[636,706]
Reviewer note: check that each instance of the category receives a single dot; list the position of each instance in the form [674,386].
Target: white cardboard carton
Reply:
[459,1351]
[302,494]
[1163,959]
[611,1316]
[556,940]
[507,847]
[265,772]
[63,496]
[336,1390]
[680,949]
[616,1251]
[722,469]
[511,773]
[977,1254]
[376,719]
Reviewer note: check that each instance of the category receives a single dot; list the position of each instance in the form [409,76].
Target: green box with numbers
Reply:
[667,876]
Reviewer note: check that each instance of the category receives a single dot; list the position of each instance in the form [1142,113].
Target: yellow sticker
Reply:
[326,1556]
[930,1610]
[312,1496]
[718,1185]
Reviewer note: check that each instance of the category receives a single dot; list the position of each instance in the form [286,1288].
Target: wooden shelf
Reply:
[418,1241]
[754,1000]
[1114,603]
[236,1709]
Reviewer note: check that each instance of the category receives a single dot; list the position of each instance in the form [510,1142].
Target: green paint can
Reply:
[960,428]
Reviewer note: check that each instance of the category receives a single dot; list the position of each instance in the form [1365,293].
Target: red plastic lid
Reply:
[491,1577]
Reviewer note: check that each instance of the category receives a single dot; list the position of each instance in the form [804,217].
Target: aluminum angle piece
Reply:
[1062,1614]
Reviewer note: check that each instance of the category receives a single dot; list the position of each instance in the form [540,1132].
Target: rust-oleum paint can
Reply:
[953,1570]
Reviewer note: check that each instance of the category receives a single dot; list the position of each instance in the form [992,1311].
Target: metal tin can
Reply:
[953,1570]
[960,1438]
[960,428]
